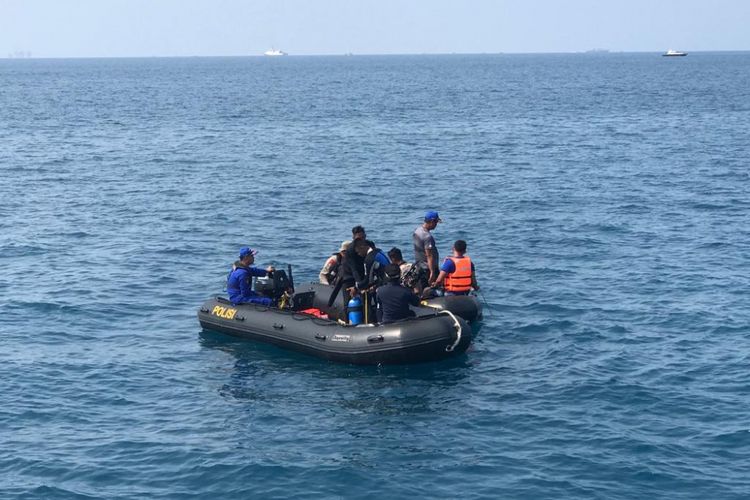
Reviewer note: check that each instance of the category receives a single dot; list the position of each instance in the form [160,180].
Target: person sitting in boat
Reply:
[240,280]
[457,272]
[393,298]
[333,265]
[398,258]
[411,275]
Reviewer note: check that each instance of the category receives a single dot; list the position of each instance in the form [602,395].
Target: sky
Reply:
[141,28]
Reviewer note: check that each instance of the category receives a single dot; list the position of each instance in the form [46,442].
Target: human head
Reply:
[345,246]
[247,255]
[392,272]
[431,219]
[395,255]
[460,247]
[358,233]
[361,246]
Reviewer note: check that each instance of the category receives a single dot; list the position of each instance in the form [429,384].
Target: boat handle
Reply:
[239,318]
[457,325]
[278,326]
[320,336]
[375,338]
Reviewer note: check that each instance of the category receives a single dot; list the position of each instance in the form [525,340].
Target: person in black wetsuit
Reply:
[373,274]
[374,265]
[350,273]
[353,264]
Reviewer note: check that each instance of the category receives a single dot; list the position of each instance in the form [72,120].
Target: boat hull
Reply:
[430,337]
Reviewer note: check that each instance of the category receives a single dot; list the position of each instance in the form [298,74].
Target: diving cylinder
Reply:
[355,311]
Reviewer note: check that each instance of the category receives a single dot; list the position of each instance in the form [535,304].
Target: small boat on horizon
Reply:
[674,53]
[274,52]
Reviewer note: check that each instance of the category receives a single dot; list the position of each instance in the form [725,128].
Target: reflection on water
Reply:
[388,390]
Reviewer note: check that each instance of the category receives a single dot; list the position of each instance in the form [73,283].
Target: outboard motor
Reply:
[281,283]
[273,286]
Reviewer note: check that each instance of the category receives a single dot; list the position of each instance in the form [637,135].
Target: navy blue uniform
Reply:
[240,286]
[394,301]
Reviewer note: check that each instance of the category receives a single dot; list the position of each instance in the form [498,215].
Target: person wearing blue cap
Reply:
[240,280]
[425,251]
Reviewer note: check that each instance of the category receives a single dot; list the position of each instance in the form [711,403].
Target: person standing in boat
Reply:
[373,272]
[374,264]
[240,279]
[332,267]
[352,266]
[350,272]
[457,272]
[394,299]
[425,251]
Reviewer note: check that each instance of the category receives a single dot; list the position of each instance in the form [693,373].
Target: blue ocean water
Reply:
[604,199]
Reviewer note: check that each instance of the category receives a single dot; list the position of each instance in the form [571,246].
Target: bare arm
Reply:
[323,275]
[440,278]
[431,264]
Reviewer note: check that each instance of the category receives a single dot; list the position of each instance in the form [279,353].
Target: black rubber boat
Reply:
[431,336]
[466,306]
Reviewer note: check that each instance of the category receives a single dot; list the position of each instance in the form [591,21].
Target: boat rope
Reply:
[458,330]
[485,302]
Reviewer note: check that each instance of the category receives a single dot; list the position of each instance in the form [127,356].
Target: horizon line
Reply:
[11,56]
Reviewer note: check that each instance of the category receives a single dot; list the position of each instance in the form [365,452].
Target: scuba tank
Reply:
[355,311]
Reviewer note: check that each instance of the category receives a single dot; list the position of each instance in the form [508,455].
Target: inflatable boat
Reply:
[467,307]
[430,336]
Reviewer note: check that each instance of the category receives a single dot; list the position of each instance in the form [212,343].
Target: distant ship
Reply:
[274,52]
[674,53]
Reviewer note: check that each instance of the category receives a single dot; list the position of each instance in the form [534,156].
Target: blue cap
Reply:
[245,251]
[432,215]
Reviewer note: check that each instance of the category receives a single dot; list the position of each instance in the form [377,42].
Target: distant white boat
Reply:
[274,52]
[674,53]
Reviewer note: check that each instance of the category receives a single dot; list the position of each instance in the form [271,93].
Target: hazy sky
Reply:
[112,28]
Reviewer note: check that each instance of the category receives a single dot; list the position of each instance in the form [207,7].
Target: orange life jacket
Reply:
[460,279]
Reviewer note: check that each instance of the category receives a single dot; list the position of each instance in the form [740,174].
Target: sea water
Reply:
[604,199]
